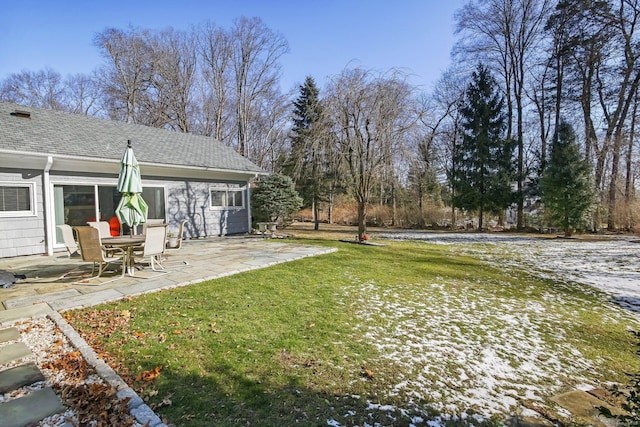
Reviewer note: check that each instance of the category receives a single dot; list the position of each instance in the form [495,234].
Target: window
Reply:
[17,199]
[77,204]
[227,196]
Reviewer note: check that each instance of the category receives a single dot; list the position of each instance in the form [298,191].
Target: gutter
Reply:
[142,163]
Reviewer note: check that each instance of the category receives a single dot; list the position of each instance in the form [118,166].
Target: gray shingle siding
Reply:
[23,235]
[191,201]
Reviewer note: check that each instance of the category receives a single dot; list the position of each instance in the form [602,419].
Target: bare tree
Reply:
[625,19]
[372,115]
[442,128]
[256,51]
[174,59]
[83,95]
[47,89]
[214,50]
[43,89]
[127,72]
[269,132]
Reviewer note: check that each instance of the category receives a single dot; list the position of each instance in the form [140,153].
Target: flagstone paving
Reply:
[14,378]
[32,407]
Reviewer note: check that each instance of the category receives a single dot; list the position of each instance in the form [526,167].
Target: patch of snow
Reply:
[469,353]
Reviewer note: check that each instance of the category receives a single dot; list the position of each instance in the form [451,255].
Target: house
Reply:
[61,168]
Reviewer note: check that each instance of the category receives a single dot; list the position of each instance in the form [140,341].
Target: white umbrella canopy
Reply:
[132,209]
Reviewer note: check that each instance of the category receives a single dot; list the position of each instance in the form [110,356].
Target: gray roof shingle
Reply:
[57,133]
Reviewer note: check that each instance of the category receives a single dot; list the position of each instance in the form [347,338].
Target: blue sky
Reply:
[324,36]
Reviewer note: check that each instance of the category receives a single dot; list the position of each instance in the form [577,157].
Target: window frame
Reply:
[32,199]
[226,189]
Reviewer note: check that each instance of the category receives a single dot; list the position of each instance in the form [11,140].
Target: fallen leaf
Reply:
[149,375]
[367,374]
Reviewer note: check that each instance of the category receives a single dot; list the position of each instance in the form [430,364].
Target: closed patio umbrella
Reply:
[132,209]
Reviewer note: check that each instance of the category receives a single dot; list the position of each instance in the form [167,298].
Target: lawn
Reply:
[399,334]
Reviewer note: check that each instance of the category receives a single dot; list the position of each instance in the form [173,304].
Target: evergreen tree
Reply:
[275,198]
[483,160]
[308,163]
[566,184]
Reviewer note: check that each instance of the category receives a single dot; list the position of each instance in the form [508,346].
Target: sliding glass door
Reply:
[78,204]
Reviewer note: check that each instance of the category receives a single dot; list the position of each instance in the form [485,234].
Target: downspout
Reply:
[249,216]
[47,209]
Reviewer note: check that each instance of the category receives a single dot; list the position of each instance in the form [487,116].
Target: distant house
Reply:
[61,168]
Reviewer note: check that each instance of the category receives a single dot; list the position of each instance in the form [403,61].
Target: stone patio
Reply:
[52,282]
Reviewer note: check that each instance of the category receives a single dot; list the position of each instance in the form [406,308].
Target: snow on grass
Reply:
[610,264]
[482,360]
[468,354]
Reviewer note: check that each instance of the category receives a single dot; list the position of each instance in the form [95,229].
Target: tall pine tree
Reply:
[483,161]
[309,160]
[567,191]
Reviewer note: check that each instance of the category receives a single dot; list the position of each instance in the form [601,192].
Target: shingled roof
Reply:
[55,133]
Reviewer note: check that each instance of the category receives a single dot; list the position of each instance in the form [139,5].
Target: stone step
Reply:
[20,376]
[15,351]
[34,299]
[9,334]
[20,313]
[30,409]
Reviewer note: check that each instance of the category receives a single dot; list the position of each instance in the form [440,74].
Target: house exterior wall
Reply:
[23,234]
[191,201]
[185,199]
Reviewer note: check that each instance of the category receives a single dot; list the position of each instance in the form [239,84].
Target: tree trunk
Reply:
[362,220]
[628,182]
[613,183]
[453,217]
[330,213]
[393,201]
[316,214]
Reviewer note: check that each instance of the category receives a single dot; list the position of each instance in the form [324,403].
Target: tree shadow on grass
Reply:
[234,399]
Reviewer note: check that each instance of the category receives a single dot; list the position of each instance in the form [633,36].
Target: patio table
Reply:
[128,244]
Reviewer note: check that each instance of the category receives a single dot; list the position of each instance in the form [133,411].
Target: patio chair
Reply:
[92,250]
[177,244]
[151,222]
[103,227]
[154,245]
[67,237]
[173,245]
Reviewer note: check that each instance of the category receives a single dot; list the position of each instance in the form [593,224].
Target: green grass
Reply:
[287,345]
